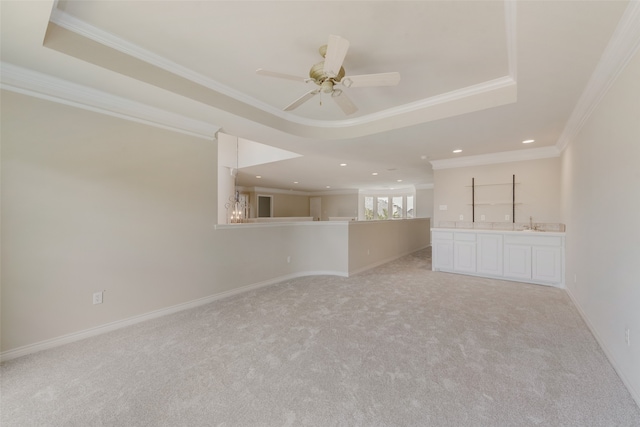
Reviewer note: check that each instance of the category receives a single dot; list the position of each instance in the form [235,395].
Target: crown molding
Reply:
[623,45]
[344,192]
[39,85]
[494,158]
[297,192]
[423,104]
[414,112]
[510,18]
[112,41]
[274,191]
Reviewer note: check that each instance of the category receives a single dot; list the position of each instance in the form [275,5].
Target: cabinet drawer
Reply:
[464,237]
[442,235]
[533,240]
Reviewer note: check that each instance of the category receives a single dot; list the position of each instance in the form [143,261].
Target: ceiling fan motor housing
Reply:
[323,74]
[319,76]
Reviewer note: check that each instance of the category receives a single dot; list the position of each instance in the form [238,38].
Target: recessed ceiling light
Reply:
[295,182]
[423,157]
[258,176]
[343,164]
[457,151]
[399,180]
[328,186]
[374,173]
[528,141]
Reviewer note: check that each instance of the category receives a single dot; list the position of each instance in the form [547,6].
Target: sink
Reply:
[531,231]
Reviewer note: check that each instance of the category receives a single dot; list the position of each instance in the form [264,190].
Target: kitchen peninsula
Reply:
[282,250]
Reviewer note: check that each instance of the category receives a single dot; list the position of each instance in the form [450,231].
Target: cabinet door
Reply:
[547,264]
[517,261]
[464,257]
[442,255]
[490,254]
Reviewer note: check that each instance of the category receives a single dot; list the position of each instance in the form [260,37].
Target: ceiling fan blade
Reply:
[281,75]
[343,102]
[304,98]
[336,51]
[381,79]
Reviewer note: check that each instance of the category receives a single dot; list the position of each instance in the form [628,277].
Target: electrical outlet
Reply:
[443,207]
[627,336]
[506,217]
[481,217]
[97,298]
[461,217]
[289,259]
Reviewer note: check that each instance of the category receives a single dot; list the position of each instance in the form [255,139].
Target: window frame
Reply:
[389,197]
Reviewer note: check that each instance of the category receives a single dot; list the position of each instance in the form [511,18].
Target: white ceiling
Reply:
[481,76]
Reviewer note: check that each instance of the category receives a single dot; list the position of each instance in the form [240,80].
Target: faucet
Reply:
[531,226]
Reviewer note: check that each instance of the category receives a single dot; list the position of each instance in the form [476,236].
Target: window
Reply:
[410,209]
[397,207]
[383,208]
[388,207]
[368,208]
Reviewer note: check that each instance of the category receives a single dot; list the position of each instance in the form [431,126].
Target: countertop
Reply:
[495,231]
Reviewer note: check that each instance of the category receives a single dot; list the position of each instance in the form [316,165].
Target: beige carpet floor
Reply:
[398,345]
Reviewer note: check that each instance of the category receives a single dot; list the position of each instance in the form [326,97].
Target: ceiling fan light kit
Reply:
[327,86]
[329,73]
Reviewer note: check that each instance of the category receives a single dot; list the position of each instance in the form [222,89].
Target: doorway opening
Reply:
[265,206]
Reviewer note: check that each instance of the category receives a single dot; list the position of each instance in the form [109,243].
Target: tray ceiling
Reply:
[480,75]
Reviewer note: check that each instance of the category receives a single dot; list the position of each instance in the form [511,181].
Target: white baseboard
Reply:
[112,326]
[634,392]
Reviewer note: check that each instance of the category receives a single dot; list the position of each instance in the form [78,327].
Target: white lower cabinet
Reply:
[535,258]
[442,250]
[513,255]
[517,261]
[442,254]
[464,256]
[489,254]
[547,264]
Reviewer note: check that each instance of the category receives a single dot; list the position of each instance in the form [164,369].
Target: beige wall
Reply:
[253,253]
[227,147]
[424,203]
[295,205]
[253,203]
[601,202]
[290,205]
[339,205]
[537,194]
[120,207]
[376,242]
[129,211]
[283,205]
[104,205]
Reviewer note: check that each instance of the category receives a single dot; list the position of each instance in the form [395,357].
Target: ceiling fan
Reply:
[329,73]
